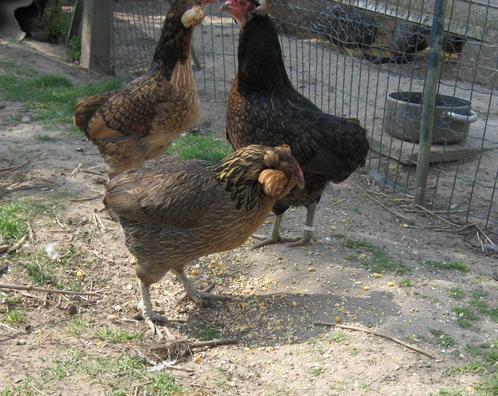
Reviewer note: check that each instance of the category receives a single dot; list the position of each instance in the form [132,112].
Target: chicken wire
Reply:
[333,53]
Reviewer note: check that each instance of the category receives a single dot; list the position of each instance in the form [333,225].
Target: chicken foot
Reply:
[275,235]
[149,315]
[277,238]
[199,297]
[308,227]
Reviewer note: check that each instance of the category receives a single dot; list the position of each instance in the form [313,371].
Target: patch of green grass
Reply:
[316,371]
[13,219]
[15,316]
[465,317]
[339,337]
[405,282]
[51,98]
[451,391]
[374,259]
[76,327]
[163,385]
[206,148]
[119,374]
[472,368]
[24,388]
[118,336]
[443,339]
[40,269]
[488,387]
[447,266]
[456,293]
[208,333]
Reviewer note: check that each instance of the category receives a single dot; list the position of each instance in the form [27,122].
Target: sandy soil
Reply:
[277,292]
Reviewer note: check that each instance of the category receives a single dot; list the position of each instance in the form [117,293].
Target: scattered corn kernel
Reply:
[377,275]
[338,319]
[391,284]
[366,288]
[80,274]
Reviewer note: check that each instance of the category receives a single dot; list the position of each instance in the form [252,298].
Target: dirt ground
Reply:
[420,288]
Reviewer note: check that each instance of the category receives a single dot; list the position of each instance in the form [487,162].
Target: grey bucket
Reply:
[452,117]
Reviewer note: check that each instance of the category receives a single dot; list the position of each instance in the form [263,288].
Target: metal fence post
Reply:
[434,64]
[96,35]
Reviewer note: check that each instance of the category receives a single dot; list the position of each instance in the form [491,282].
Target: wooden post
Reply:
[96,35]
[434,63]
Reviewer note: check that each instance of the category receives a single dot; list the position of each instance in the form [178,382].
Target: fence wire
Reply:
[367,59]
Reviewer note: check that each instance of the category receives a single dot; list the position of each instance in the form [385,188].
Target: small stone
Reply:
[293,304]
[311,269]
[25,119]
[338,319]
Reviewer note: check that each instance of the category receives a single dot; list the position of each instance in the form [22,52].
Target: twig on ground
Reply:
[15,167]
[214,343]
[92,172]
[61,225]
[428,211]
[76,170]
[390,210]
[85,199]
[10,328]
[368,331]
[17,245]
[99,220]
[44,290]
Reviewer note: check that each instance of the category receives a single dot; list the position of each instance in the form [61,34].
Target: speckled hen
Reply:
[174,213]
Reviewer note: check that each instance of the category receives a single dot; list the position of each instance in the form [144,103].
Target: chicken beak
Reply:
[300,183]
[224,7]
[300,178]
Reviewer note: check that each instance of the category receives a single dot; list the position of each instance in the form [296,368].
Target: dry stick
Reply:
[392,211]
[17,245]
[14,167]
[10,328]
[368,331]
[99,221]
[214,343]
[85,199]
[43,290]
[76,170]
[436,215]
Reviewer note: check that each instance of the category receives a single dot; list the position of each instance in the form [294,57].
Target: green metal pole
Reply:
[434,64]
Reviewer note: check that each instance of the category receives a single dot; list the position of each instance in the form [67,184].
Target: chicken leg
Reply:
[149,315]
[201,298]
[275,235]
[277,238]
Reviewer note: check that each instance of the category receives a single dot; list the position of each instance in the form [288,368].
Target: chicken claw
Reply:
[192,17]
[145,306]
[201,298]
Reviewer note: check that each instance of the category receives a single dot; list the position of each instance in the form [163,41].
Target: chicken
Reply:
[264,108]
[139,122]
[174,213]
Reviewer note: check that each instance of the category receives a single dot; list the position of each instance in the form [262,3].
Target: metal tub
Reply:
[452,117]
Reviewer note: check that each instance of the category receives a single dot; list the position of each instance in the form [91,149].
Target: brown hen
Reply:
[176,212]
[139,122]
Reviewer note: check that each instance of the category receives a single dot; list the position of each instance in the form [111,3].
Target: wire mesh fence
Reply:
[368,59]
